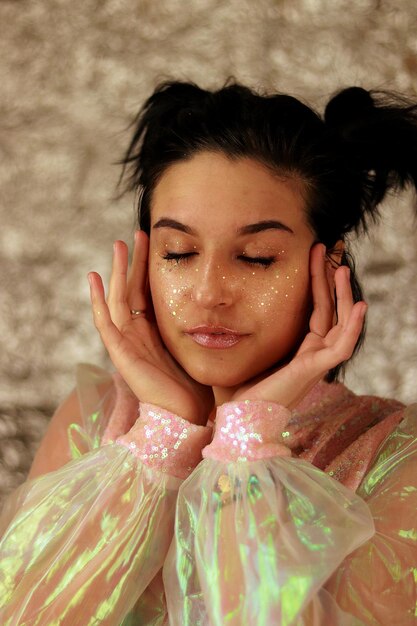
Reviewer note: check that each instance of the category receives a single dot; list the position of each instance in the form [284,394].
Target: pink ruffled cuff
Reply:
[248,431]
[165,441]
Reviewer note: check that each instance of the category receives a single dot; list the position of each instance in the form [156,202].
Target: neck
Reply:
[224,394]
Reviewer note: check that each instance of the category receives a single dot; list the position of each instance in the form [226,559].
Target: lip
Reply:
[215,337]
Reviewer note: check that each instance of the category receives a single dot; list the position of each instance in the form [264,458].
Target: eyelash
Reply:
[264,262]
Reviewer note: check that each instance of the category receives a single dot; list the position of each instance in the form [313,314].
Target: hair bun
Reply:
[347,106]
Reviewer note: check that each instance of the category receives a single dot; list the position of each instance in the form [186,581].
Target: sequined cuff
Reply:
[166,442]
[248,431]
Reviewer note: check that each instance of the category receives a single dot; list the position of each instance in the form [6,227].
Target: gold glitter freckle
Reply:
[174,312]
[224,277]
[287,277]
[253,273]
[286,295]
[285,434]
[295,271]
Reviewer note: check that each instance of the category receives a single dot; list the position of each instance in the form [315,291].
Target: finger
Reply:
[344,297]
[330,272]
[117,302]
[101,313]
[323,312]
[137,286]
[100,309]
[343,347]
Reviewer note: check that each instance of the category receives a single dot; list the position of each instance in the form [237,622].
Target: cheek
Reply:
[170,287]
[285,293]
[265,295]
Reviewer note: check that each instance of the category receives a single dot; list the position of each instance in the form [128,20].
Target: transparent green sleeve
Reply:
[80,545]
[257,532]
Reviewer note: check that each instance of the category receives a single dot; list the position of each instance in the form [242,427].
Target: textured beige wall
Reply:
[72,73]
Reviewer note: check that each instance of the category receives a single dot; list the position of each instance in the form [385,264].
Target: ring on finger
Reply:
[135,313]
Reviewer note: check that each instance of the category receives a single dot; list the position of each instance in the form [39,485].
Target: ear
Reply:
[334,256]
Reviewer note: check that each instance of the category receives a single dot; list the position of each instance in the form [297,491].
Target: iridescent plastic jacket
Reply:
[305,518]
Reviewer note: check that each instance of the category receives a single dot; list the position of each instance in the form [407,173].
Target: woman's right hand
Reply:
[134,343]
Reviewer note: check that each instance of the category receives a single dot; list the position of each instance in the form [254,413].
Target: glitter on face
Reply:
[264,300]
[269,300]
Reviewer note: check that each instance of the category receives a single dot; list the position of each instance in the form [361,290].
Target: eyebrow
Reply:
[166,222]
[250,229]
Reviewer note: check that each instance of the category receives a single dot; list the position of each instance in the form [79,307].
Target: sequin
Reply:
[248,430]
[180,449]
[297,545]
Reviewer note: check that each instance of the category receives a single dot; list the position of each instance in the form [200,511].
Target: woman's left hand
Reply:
[328,343]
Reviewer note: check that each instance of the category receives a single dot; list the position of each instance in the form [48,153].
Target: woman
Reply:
[229,335]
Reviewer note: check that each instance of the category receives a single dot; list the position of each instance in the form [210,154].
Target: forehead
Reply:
[213,191]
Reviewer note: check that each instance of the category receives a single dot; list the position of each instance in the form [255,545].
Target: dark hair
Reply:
[364,146]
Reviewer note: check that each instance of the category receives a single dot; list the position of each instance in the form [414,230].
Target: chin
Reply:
[220,377]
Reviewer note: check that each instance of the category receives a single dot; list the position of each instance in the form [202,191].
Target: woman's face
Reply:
[229,267]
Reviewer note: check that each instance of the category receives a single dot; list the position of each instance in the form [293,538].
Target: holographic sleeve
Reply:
[81,544]
[258,533]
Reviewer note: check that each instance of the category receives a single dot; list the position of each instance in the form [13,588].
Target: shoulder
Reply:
[402,437]
[341,432]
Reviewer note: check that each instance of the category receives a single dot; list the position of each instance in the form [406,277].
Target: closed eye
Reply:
[178,256]
[265,261]
[259,260]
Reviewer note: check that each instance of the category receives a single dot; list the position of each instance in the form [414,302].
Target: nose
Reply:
[213,287]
